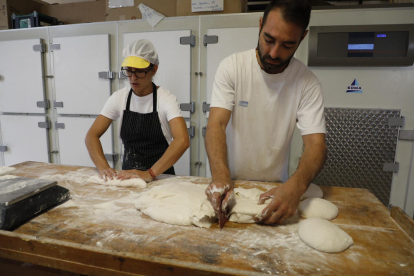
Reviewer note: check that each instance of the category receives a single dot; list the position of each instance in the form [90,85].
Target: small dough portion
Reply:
[312,191]
[318,208]
[6,170]
[245,206]
[178,203]
[133,182]
[324,236]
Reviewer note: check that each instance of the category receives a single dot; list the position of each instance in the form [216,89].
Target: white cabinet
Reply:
[24,139]
[72,132]
[77,64]
[21,76]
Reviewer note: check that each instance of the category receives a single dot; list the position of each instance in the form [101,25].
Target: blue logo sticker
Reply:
[354,87]
[243,103]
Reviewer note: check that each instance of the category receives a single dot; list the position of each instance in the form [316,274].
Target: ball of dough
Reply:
[324,236]
[318,208]
[312,191]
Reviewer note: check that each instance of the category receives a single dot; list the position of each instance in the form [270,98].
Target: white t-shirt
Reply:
[167,107]
[265,109]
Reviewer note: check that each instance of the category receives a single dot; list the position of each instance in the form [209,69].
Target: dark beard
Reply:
[272,68]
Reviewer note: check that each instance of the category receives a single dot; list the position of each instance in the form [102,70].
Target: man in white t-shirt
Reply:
[259,96]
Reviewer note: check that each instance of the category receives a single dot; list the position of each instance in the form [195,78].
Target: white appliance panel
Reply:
[72,146]
[24,139]
[21,77]
[76,68]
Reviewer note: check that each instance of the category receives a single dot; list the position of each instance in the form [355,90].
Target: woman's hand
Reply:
[129,174]
[107,174]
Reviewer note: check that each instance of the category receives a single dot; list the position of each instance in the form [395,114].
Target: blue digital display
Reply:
[381,35]
[360,46]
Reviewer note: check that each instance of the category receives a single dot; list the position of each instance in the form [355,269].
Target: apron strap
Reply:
[129,100]
[154,98]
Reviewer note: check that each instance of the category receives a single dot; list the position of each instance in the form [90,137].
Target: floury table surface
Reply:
[99,231]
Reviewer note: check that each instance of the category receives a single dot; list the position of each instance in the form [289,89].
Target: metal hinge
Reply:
[43,104]
[396,121]
[203,131]
[206,107]
[210,39]
[111,157]
[106,75]
[121,76]
[185,40]
[191,131]
[39,47]
[54,46]
[391,167]
[188,107]
[59,125]
[406,135]
[3,148]
[57,104]
[44,124]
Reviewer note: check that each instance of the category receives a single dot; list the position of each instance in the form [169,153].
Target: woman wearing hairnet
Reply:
[152,128]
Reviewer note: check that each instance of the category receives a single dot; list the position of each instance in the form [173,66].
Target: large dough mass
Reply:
[324,236]
[133,182]
[178,203]
[246,207]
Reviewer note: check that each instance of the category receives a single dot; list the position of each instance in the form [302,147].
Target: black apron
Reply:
[142,136]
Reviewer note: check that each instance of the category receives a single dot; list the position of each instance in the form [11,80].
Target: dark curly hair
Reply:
[292,11]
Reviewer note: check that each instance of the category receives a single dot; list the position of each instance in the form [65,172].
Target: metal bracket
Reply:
[111,157]
[210,39]
[406,135]
[391,167]
[121,76]
[188,107]
[106,75]
[57,104]
[206,107]
[185,40]
[54,46]
[396,121]
[3,148]
[59,125]
[43,104]
[44,124]
[203,131]
[39,48]
[191,131]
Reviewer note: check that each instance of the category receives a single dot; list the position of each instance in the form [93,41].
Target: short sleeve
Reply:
[223,94]
[311,113]
[172,107]
[111,109]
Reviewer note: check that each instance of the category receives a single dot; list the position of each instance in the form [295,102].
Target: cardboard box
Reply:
[79,12]
[18,7]
[165,7]
[230,6]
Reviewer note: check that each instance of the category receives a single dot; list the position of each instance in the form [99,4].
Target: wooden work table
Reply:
[100,232]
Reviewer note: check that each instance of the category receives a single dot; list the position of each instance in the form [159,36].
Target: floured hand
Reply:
[107,174]
[285,201]
[129,174]
[219,190]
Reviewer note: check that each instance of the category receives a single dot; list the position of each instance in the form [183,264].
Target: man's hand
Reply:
[107,174]
[128,174]
[218,190]
[285,201]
